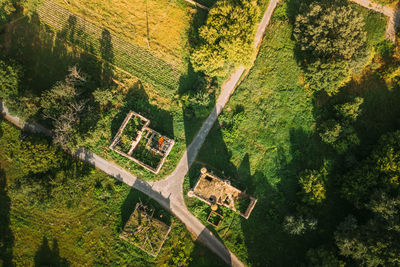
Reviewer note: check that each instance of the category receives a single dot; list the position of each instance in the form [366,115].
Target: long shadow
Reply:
[46,57]
[6,235]
[197,92]
[219,155]
[160,212]
[137,100]
[47,256]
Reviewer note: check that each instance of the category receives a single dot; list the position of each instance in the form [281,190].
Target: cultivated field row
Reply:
[101,42]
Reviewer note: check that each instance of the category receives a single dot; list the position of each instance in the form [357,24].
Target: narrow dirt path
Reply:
[196,4]
[169,192]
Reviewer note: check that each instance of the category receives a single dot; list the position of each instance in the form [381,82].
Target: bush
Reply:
[227,37]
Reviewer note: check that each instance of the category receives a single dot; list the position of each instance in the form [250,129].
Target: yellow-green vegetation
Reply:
[67,213]
[272,141]
[108,93]
[226,40]
[160,25]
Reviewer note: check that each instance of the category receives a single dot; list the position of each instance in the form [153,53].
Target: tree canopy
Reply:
[9,80]
[227,38]
[329,31]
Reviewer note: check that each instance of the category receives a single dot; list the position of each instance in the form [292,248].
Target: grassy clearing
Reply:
[73,214]
[46,58]
[265,137]
[160,25]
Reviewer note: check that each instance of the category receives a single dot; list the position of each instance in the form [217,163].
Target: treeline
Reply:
[357,172]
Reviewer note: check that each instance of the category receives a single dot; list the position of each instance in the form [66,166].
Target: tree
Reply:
[227,38]
[7,7]
[323,257]
[326,76]
[339,131]
[102,97]
[330,131]
[375,243]
[62,106]
[330,31]
[298,225]
[9,80]
[381,170]
[350,111]
[313,183]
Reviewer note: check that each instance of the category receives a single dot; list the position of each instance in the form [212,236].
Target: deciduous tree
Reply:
[227,38]
[330,31]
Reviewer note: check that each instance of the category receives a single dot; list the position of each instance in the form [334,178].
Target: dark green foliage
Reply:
[386,49]
[298,225]
[380,170]
[227,38]
[338,129]
[374,243]
[7,7]
[269,133]
[326,76]
[330,31]
[9,80]
[323,257]
[62,105]
[102,97]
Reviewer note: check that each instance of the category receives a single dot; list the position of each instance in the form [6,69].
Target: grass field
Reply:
[264,138]
[72,214]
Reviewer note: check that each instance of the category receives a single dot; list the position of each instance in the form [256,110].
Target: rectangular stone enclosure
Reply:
[141,144]
[213,190]
[144,231]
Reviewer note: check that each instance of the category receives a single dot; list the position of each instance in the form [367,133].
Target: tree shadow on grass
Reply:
[46,56]
[137,100]
[197,93]
[135,196]
[6,235]
[46,256]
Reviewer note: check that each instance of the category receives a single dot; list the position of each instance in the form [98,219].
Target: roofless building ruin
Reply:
[141,144]
[212,190]
[144,231]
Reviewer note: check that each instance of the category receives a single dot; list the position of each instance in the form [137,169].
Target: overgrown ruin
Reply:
[144,231]
[212,190]
[141,144]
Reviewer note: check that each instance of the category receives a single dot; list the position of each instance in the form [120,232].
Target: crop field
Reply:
[262,140]
[110,46]
[66,213]
[160,25]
